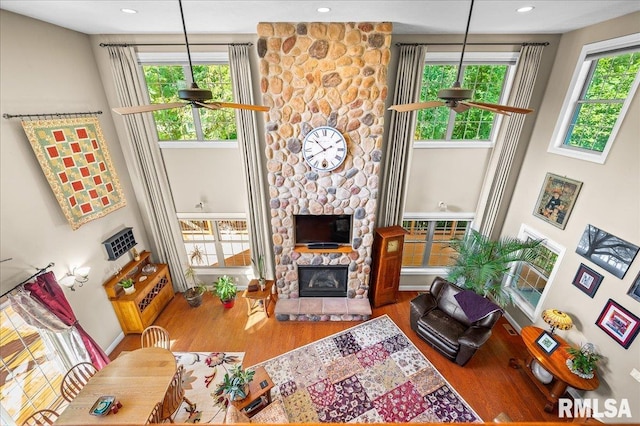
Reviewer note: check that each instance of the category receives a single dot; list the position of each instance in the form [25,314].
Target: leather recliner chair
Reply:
[436,316]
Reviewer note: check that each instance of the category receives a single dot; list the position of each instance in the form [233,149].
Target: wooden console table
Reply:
[137,311]
[555,364]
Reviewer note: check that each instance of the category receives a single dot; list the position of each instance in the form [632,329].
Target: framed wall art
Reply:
[76,163]
[620,324]
[587,280]
[556,199]
[611,253]
[634,291]
[547,343]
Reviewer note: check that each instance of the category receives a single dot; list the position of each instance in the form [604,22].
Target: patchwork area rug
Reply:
[203,372]
[370,373]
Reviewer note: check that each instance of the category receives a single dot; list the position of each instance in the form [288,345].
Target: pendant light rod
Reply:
[186,40]
[464,42]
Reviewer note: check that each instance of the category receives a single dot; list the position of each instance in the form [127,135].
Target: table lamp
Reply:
[557,319]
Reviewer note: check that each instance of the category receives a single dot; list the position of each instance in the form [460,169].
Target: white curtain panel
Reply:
[145,164]
[397,154]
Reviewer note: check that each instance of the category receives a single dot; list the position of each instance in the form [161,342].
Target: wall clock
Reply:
[324,148]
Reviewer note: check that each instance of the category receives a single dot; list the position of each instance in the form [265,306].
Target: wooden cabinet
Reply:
[387,263]
[138,310]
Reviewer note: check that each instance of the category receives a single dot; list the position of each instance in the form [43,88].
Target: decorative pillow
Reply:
[235,416]
[475,307]
[272,413]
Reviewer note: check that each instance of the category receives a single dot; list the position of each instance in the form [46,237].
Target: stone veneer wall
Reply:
[316,74]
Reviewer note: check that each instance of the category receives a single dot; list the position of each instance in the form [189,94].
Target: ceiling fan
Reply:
[456,96]
[193,96]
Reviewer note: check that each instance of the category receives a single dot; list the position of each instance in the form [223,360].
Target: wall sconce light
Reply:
[76,276]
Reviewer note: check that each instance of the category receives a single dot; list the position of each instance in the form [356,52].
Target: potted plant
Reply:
[262,281]
[193,294]
[127,285]
[225,288]
[583,361]
[235,383]
[480,263]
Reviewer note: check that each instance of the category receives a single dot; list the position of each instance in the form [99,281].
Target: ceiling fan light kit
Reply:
[455,96]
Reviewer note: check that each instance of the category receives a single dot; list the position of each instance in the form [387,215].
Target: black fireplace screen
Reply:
[322,281]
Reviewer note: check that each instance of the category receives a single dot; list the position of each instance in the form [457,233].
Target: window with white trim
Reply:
[426,246]
[489,75]
[528,283]
[214,241]
[604,83]
[165,74]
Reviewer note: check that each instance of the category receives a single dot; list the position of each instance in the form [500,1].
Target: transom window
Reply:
[528,282]
[215,242]
[489,76]
[603,85]
[427,245]
[165,75]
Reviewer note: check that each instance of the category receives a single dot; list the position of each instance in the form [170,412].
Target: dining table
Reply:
[138,380]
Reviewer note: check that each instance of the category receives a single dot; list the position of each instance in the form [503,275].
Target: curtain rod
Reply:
[546,43]
[53,114]
[40,271]
[172,44]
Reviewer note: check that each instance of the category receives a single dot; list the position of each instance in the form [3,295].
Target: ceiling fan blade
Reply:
[147,108]
[503,107]
[218,105]
[485,107]
[416,105]
[461,107]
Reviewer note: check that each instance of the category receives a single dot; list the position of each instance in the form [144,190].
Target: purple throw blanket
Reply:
[475,307]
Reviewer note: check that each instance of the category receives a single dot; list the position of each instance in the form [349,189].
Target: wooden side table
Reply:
[259,299]
[259,388]
[555,364]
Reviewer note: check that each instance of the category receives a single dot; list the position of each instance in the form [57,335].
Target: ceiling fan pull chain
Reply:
[464,42]
[186,39]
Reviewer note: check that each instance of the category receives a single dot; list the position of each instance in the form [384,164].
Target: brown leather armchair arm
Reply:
[420,305]
[474,337]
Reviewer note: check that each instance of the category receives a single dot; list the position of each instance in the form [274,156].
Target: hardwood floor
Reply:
[487,382]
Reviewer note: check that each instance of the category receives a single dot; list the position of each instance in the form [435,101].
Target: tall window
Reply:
[215,242]
[528,282]
[487,75]
[427,243]
[165,75]
[603,85]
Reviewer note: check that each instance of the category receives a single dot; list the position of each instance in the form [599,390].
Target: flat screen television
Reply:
[323,229]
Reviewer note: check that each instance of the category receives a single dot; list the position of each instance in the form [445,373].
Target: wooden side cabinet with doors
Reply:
[154,290]
[387,263]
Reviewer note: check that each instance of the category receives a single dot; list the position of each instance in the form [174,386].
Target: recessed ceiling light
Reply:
[324,9]
[525,9]
[125,10]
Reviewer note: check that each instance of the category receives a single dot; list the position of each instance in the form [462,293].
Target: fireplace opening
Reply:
[322,281]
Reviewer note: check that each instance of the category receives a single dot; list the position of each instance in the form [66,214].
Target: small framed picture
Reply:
[634,291]
[620,324]
[587,280]
[557,197]
[547,343]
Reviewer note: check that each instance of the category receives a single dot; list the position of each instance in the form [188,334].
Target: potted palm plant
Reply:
[481,263]
[235,384]
[225,288]
[193,294]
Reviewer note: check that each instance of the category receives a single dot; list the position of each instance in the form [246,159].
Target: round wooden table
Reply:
[555,364]
[138,379]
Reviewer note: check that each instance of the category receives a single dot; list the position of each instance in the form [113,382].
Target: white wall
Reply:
[609,199]
[48,69]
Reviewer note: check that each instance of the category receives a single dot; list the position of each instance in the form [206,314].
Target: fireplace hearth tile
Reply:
[310,305]
[334,305]
[323,309]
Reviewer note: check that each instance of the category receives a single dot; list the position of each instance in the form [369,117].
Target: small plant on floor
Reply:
[225,288]
[193,294]
[235,384]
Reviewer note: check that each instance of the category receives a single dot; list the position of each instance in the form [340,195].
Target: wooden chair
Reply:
[174,397]
[156,414]
[155,336]
[40,418]
[75,379]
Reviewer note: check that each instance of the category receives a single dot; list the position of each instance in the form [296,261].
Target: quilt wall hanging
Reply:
[76,162]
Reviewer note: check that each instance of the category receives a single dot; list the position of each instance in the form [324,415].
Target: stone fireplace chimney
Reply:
[323,74]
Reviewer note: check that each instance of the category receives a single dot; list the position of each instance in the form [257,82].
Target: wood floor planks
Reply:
[487,382]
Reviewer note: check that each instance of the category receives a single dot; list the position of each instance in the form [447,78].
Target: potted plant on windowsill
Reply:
[480,263]
[127,285]
[225,288]
[235,384]
[193,294]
